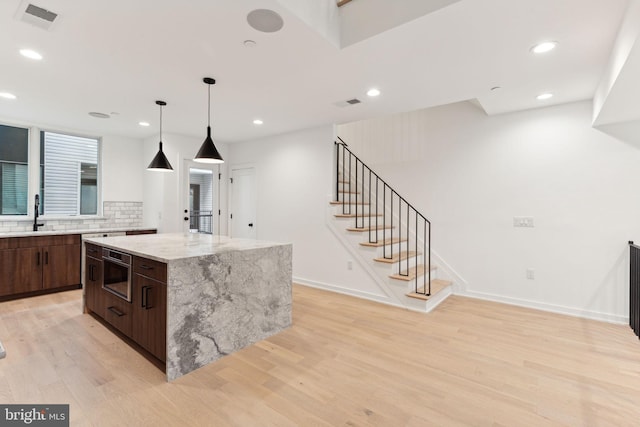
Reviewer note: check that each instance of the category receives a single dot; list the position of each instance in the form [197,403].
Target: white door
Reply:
[243,203]
[200,201]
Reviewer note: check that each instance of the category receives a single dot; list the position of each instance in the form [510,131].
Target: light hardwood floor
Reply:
[345,362]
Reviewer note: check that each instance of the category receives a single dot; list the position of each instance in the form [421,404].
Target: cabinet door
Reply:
[61,266]
[93,286]
[150,315]
[20,271]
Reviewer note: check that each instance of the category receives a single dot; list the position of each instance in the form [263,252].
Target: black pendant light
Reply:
[208,152]
[160,161]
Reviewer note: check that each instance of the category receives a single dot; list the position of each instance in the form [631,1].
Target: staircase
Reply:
[389,236]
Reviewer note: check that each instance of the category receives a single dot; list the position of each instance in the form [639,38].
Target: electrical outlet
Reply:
[531,274]
[349,265]
[523,221]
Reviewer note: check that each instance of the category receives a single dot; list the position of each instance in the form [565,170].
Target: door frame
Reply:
[184,190]
[232,168]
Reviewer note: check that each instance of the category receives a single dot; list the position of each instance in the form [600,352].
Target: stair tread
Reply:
[383,242]
[397,257]
[412,273]
[347,203]
[352,215]
[436,286]
[365,229]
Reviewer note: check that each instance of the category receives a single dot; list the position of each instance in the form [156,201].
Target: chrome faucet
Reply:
[35,214]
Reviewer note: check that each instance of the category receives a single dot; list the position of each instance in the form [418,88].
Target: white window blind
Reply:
[14,188]
[63,157]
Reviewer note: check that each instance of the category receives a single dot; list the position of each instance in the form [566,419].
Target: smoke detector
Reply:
[36,15]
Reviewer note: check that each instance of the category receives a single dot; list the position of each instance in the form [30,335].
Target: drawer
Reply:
[93,251]
[150,268]
[117,312]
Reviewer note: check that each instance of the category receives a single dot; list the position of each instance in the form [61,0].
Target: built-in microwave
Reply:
[117,273]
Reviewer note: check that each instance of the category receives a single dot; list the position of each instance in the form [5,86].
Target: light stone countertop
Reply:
[175,246]
[65,232]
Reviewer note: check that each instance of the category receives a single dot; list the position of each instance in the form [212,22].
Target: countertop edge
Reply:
[99,241]
[67,232]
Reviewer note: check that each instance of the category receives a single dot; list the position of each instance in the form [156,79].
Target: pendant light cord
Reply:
[161,124]
[209,109]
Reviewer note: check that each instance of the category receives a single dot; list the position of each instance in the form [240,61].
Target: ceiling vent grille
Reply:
[36,15]
[347,103]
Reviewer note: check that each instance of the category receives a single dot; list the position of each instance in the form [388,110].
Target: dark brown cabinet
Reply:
[20,271]
[61,265]
[144,319]
[94,295]
[117,312]
[39,263]
[150,315]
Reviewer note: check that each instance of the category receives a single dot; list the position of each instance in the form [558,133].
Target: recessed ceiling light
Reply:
[544,96]
[99,115]
[145,124]
[495,88]
[257,122]
[31,54]
[7,95]
[373,92]
[544,47]
[249,43]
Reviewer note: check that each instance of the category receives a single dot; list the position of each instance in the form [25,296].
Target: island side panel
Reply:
[221,303]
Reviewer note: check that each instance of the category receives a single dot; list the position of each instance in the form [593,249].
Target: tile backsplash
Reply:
[115,215]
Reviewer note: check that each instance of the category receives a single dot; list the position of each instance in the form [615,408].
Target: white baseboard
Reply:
[570,311]
[346,291]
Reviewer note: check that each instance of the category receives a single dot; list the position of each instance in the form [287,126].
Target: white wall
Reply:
[121,172]
[471,174]
[294,183]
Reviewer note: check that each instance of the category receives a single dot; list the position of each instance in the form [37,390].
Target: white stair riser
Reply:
[389,269]
[397,247]
[361,197]
[362,219]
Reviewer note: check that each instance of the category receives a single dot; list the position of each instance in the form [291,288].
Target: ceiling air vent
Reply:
[348,102]
[36,15]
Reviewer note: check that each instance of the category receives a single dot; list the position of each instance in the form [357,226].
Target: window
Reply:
[14,170]
[68,174]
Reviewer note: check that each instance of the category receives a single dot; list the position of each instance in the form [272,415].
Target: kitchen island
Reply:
[222,294]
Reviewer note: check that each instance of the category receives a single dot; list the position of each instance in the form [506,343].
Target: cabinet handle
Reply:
[115,311]
[143,294]
[91,273]
[46,258]
[93,251]
[145,267]
[147,306]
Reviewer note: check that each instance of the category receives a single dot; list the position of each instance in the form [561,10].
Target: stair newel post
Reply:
[362,166]
[349,184]
[416,247]
[384,219]
[399,235]
[337,156]
[391,218]
[408,239]
[377,203]
[429,265]
[369,205]
[357,161]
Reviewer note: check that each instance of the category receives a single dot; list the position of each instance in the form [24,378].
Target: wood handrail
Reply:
[343,2]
